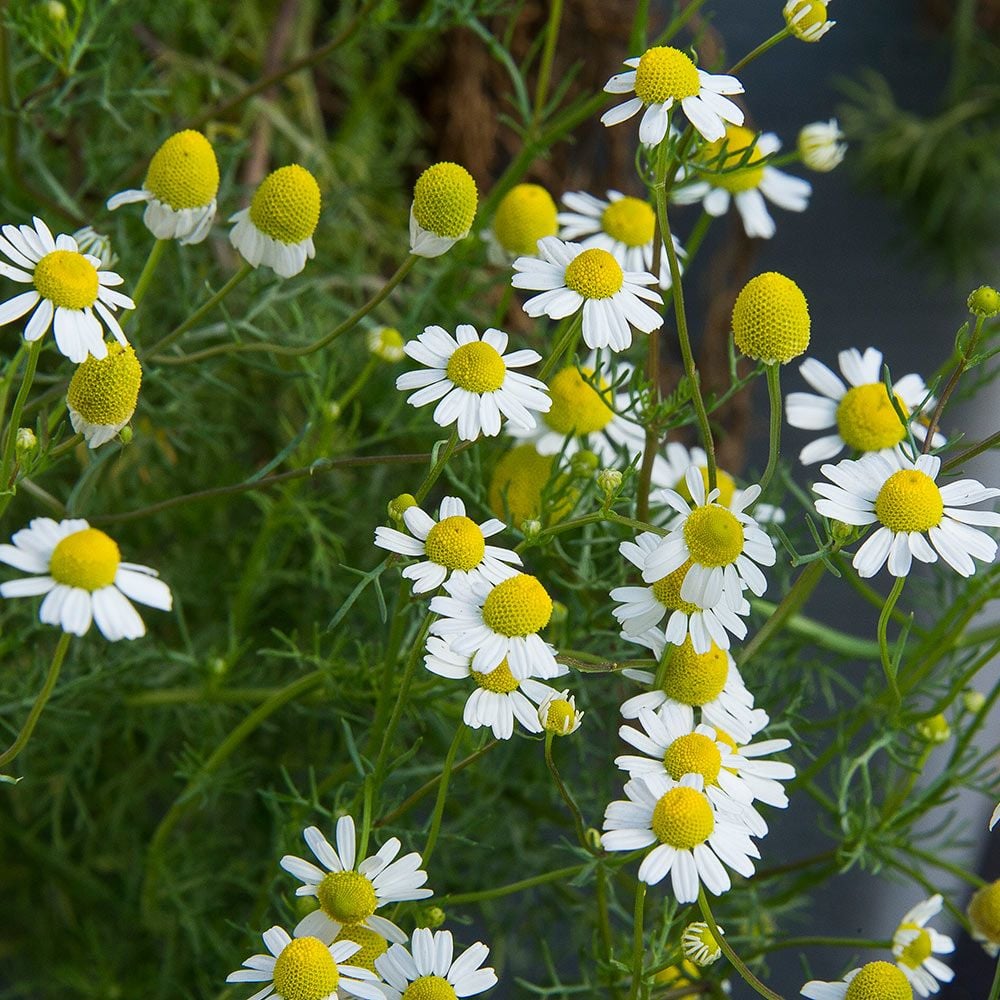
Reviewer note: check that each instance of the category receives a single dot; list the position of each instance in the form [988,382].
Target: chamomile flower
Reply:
[494,622]
[350,893]
[558,714]
[916,518]
[984,917]
[664,76]
[276,231]
[862,414]
[305,967]
[807,20]
[179,190]
[428,969]
[571,277]
[914,946]
[444,204]
[771,319]
[526,486]
[103,393]
[474,380]
[821,147]
[386,343]
[693,838]
[699,945]
[524,215]
[874,981]
[69,287]
[80,571]
[740,176]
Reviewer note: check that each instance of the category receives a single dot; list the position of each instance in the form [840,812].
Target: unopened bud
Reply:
[25,443]
[55,11]
[583,463]
[431,916]
[984,301]
[609,482]
[126,434]
[531,528]
[400,504]
[973,700]
[935,729]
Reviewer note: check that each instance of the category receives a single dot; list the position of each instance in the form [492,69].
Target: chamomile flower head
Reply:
[179,190]
[349,893]
[444,204]
[526,485]
[570,278]
[771,319]
[276,231]
[89,241]
[525,215]
[558,714]
[103,393]
[665,76]
[80,571]
[622,225]
[70,292]
[807,20]
[305,967]
[699,945]
[428,969]
[874,981]
[984,917]
[915,518]
[692,838]
[386,343]
[861,411]
[914,946]
[473,381]
[736,171]
[821,146]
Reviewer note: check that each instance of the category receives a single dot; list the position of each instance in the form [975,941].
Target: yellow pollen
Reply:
[520,477]
[736,171]
[815,16]
[713,535]
[984,912]
[594,274]
[445,200]
[456,543]
[372,945]
[683,818]
[664,73]
[560,716]
[721,736]
[67,279]
[104,391]
[499,680]
[866,418]
[525,215]
[577,407]
[87,559]
[879,981]
[183,172]
[771,319]
[919,949]
[517,606]
[695,678]
[305,970]
[724,483]
[694,753]
[430,988]
[477,367]
[630,221]
[348,897]
[667,590]
[909,501]
[286,205]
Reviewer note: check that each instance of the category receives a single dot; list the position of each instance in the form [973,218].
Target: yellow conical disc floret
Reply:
[347,896]
[867,420]
[806,18]
[305,970]
[286,205]
[918,950]
[520,478]
[499,680]
[693,753]
[713,535]
[445,200]
[87,559]
[430,988]
[740,169]
[695,678]
[667,590]
[577,407]
[372,945]
[630,221]
[456,542]
[664,74]
[771,319]
[104,391]
[683,818]
[525,215]
[595,274]
[984,914]
[184,172]
[879,981]
[67,279]
[517,606]
[909,500]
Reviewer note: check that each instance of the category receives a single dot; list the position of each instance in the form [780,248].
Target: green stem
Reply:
[638,948]
[548,53]
[968,350]
[977,449]
[957,870]
[822,635]
[759,51]
[773,373]
[564,792]
[995,988]
[146,277]
[564,341]
[442,794]
[10,444]
[887,665]
[437,468]
[512,887]
[357,385]
[827,942]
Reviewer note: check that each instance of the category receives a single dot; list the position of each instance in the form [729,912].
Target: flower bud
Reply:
[935,729]
[699,945]
[820,146]
[973,700]
[431,916]
[984,916]
[531,528]
[25,443]
[984,301]
[386,343]
[583,463]
[807,20]
[558,714]
[559,613]
[400,504]
[609,481]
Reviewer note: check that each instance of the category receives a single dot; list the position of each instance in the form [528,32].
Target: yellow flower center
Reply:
[560,716]
[372,945]
[183,172]
[67,279]
[919,949]
[694,753]
[683,818]
[477,367]
[771,319]
[664,73]
[104,391]
[866,418]
[594,274]
[721,736]
[517,606]
[909,501]
[679,975]
[286,205]
[984,912]
[577,407]
[87,559]
[456,543]
[695,678]
[667,590]
[736,170]
[630,221]
[348,897]
[305,970]
[520,477]
[724,482]
[445,200]
[879,981]
[815,16]
[499,680]
[430,988]
[386,343]
[714,536]
[525,215]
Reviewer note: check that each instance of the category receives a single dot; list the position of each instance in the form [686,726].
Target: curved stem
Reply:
[638,949]
[512,887]
[564,792]
[548,53]
[883,644]
[10,443]
[567,339]
[442,795]
[146,277]
[759,51]
[773,373]
[995,988]
[437,468]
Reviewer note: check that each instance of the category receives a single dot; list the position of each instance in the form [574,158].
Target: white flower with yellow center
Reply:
[807,20]
[862,413]
[103,393]
[525,214]
[665,76]
[984,917]
[350,893]
[912,512]
[276,231]
[493,622]
[821,147]
[874,981]
[428,969]
[558,714]
[571,277]
[444,205]
[69,287]
[699,945]
[693,838]
[179,190]
[914,946]
[386,343]
[499,698]
[622,225]
[305,967]
[80,572]
[474,381]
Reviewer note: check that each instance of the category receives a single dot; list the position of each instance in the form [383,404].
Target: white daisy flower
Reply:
[903,499]
[80,572]
[821,147]
[741,177]
[473,380]
[663,76]
[559,715]
[693,838]
[443,209]
[876,979]
[103,393]
[428,970]
[69,287]
[571,277]
[350,893]
[914,946]
[305,967]
[807,20]
[863,414]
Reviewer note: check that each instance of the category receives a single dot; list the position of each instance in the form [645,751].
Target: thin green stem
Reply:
[638,938]
[548,54]
[773,373]
[357,385]
[759,51]
[437,468]
[824,942]
[146,277]
[442,793]
[977,449]
[823,635]
[512,887]
[971,878]
[887,665]
[564,792]
[568,337]
[967,352]
[10,443]
[995,988]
